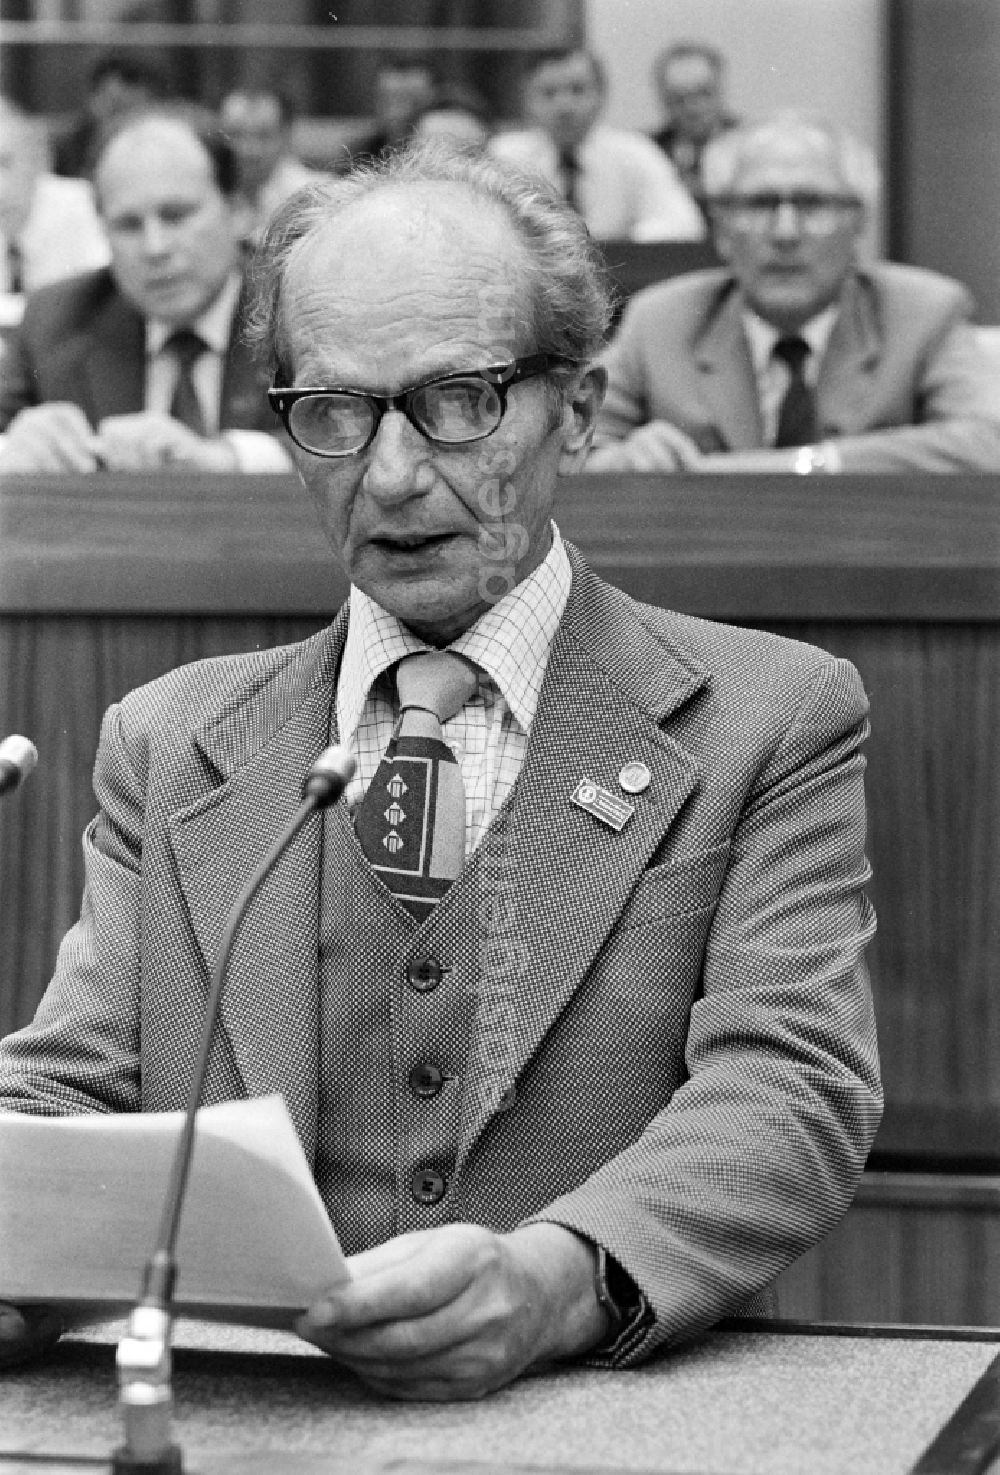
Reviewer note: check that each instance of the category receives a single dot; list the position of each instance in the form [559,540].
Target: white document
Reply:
[81,1199]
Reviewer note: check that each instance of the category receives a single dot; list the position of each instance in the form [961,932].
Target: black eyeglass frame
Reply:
[801,201]
[499,377]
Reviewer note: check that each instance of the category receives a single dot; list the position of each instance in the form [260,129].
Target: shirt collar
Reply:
[510,641]
[214,325]
[762,336]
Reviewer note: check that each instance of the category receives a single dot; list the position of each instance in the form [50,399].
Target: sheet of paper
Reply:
[81,1199]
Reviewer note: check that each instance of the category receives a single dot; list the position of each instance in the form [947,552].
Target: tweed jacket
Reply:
[693,1066]
[81,341]
[905,383]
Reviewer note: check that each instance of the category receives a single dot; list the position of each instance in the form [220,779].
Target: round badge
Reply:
[635,777]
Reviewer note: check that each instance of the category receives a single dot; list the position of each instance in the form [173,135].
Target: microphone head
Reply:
[18,756]
[328,777]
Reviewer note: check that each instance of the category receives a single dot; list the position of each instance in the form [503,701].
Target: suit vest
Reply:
[401,1006]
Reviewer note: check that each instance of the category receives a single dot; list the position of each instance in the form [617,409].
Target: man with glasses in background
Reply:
[567,997]
[798,355]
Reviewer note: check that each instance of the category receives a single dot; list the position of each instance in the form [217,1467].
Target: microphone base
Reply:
[170,1462]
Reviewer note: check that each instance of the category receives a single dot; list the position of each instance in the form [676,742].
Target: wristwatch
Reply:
[615,1290]
[822,457]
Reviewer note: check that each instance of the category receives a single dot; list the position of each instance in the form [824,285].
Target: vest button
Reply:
[424,973]
[425,1080]
[427,1186]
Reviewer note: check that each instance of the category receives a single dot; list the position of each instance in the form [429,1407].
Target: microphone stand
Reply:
[145,1394]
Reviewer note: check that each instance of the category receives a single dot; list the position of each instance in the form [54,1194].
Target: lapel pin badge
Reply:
[602,804]
[634,777]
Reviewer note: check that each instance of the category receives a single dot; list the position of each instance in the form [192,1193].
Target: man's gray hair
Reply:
[568,303]
[726,155]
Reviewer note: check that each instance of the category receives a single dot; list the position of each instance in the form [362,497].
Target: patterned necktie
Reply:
[411,822]
[185,406]
[797,422]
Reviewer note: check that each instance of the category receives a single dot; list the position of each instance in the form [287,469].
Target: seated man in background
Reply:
[257,119]
[591,1076]
[457,114]
[618,180]
[140,365]
[689,77]
[798,355]
[49,228]
[404,85]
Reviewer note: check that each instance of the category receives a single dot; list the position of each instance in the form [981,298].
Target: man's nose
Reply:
[398,460]
[155,236]
[787,220]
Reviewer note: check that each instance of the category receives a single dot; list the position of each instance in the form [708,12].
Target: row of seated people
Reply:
[796,354]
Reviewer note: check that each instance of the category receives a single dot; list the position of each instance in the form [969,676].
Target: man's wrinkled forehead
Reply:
[439,234]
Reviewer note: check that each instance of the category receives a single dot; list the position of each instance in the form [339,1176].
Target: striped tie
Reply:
[411,822]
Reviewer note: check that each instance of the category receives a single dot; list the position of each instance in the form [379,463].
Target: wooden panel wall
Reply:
[913,1248]
[943,167]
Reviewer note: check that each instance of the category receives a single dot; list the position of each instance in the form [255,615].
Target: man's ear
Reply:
[580,418]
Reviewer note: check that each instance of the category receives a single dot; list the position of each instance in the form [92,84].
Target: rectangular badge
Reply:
[602,804]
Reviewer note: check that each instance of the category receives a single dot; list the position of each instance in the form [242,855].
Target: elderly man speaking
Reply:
[582,1051]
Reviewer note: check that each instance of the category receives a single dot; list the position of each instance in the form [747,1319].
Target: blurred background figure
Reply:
[117,83]
[142,365]
[457,114]
[689,78]
[49,227]
[404,87]
[797,355]
[258,119]
[617,179]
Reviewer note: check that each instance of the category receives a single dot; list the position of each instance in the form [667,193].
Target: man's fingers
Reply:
[405,1279]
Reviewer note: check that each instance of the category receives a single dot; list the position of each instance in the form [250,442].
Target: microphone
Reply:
[143,1357]
[18,756]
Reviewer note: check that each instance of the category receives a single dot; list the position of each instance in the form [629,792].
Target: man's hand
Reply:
[26,1332]
[657,446]
[459,1311]
[51,437]
[147,441]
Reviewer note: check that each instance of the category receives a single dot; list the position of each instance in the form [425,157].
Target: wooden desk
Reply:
[107,582]
[756,1402]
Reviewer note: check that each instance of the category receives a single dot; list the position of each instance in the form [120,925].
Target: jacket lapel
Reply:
[260,750]
[113,361]
[729,386]
[609,686]
[851,357]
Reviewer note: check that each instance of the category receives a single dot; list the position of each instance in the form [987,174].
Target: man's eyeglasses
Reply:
[818,214]
[451,410]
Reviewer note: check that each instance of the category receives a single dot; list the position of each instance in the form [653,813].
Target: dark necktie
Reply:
[186,347]
[569,173]
[411,822]
[797,419]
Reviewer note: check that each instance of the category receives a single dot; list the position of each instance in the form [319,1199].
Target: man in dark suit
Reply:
[141,365]
[800,354]
[588,1080]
